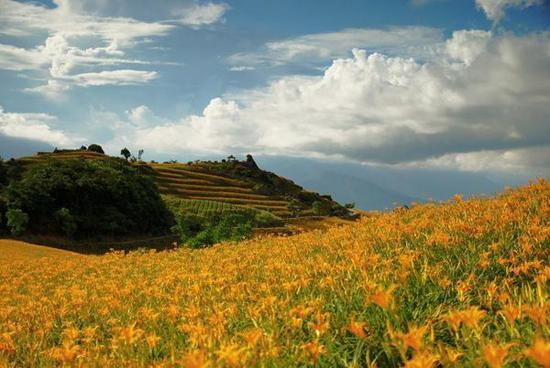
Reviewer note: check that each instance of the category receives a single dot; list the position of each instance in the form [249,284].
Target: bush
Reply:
[95,148]
[203,239]
[66,221]
[17,221]
[294,207]
[316,208]
[267,219]
[197,232]
[3,209]
[101,199]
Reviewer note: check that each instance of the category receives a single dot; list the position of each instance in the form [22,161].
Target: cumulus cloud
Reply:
[322,47]
[66,27]
[495,9]
[198,15]
[32,126]
[485,96]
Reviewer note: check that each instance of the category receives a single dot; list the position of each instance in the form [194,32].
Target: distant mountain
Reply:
[377,187]
[17,147]
[363,193]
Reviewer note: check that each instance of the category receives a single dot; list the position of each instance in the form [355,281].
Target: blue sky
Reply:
[434,83]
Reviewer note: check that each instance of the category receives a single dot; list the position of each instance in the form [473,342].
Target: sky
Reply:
[458,85]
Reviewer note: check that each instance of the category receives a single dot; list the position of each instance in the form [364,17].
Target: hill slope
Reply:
[463,283]
[235,182]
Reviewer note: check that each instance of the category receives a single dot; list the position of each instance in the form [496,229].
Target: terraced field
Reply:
[187,181]
[181,180]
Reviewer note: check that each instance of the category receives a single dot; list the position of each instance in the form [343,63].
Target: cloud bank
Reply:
[482,96]
[495,9]
[32,126]
[70,24]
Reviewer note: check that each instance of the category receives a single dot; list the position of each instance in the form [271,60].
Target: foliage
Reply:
[92,198]
[196,232]
[294,207]
[126,153]
[3,173]
[321,208]
[349,205]
[3,209]
[464,283]
[17,221]
[66,221]
[211,211]
[96,148]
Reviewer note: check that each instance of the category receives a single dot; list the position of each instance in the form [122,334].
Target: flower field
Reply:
[463,283]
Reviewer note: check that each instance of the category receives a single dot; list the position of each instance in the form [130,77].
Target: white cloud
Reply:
[241,68]
[532,161]
[65,27]
[321,47]
[467,45]
[34,126]
[122,77]
[495,9]
[16,58]
[482,94]
[198,15]
[143,117]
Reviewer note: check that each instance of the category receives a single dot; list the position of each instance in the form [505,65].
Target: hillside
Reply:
[234,182]
[464,283]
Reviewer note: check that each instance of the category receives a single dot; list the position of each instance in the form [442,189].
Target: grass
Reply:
[462,283]
[211,210]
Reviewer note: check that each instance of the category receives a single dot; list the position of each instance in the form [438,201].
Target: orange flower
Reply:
[67,353]
[152,340]
[422,360]
[357,328]
[536,314]
[383,298]
[511,313]
[314,349]
[495,355]
[414,337]
[195,359]
[469,317]
[539,352]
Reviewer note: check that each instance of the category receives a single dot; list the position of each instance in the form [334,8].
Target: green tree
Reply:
[316,207]
[294,207]
[96,148]
[349,205]
[104,197]
[126,153]
[17,221]
[66,221]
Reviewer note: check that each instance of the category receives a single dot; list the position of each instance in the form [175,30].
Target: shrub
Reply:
[197,232]
[203,239]
[102,198]
[232,227]
[294,207]
[66,221]
[267,219]
[17,221]
[96,148]
[3,209]
[316,208]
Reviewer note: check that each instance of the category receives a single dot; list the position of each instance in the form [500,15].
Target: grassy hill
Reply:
[463,283]
[232,182]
